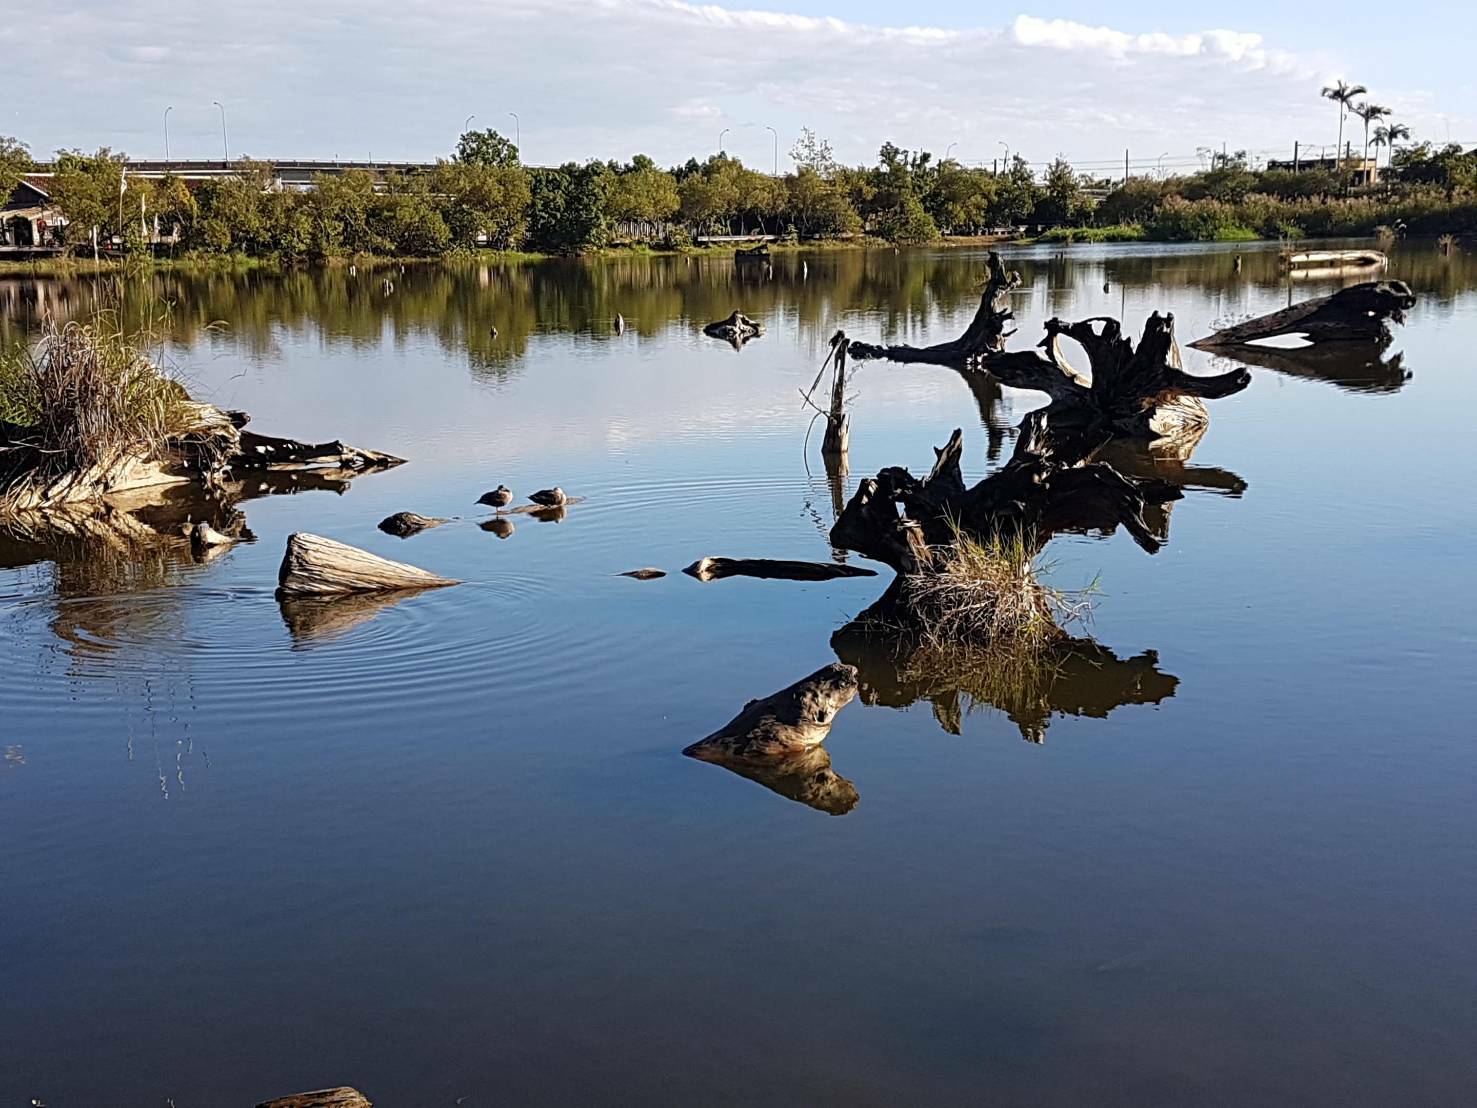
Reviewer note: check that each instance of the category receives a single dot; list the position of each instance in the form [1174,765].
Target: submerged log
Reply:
[266,451]
[1359,313]
[342,1097]
[736,330]
[646,573]
[785,723]
[780,569]
[405,524]
[315,566]
[985,334]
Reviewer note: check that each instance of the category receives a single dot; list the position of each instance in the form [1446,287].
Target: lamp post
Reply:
[720,138]
[948,148]
[1161,163]
[1002,142]
[517,130]
[166,134]
[225,141]
[776,135]
[467,123]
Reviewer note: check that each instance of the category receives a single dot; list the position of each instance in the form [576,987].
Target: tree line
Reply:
[482,197]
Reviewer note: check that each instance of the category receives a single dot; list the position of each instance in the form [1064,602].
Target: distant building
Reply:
[29,221]
[1366,171]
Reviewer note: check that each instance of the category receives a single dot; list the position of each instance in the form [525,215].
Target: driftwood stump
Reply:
[736,330]
[785,723]
[715,569]
[1359,313]
[405,524]
[315,566]
[985,334]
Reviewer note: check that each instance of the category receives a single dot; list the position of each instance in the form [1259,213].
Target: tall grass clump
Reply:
[986,592]
[85,393]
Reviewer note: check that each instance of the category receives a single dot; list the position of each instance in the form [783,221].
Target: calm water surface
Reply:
[447,847]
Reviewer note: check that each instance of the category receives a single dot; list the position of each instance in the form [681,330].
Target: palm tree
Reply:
[1389,135]
[1369,113]
[1342,94]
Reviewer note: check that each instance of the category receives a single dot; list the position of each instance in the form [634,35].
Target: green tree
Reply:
[1369,113]
[484,202]
[87,188]
[567,213]
[813,153]
[487,148]
[819,206]
[643,195]
[15,162]
[959,201]
[1061,197]
[1016,197]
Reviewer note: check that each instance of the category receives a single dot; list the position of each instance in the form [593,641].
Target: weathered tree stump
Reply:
[785,723]
[315,566]
[342,1097]
[985,334]
[781,569]
[1359,313]
[736,330]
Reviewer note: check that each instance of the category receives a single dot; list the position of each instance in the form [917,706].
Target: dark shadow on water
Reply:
[806,777]
[1352,366]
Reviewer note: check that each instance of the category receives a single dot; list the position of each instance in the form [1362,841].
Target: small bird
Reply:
[620,324]
[1105,286]
[499,498]
[1238,263]
[492,331]
[548,498]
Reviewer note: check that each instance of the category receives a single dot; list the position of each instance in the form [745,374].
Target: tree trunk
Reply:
[315,566]
[985,334]
[343,1097]
[785,723]
[715,569]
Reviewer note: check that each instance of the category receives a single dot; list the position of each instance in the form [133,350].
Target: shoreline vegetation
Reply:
[482,203]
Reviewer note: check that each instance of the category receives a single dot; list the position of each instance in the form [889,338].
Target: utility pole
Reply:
[1295,161]
[720,138]
[166,135]
[517,132]
[1125,164]
[225,142]
[776,135]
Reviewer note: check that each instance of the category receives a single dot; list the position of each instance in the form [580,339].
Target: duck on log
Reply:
[1359,313]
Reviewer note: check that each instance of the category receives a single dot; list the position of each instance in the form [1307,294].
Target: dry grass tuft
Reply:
[986,593]
[85,392]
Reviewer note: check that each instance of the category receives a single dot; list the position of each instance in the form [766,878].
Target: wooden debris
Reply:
[646,574]
[1337,258]
[203,536]
[715,569]
[985,334]
[1359,313]
[785,723]
[737,329]
[342,1097]
[315,566]
[405,524]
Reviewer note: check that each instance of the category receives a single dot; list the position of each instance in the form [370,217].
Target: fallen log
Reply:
[1359,258]
[778,569]
[405,524]
[256,451]
[315,566]
[342,1097]
[646,573]
[785,723]
[1359,313]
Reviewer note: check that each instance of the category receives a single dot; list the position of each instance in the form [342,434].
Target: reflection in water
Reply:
[1354,366]
[1077,677]
[314,620]
[806,777]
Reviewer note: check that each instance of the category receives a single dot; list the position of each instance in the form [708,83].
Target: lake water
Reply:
[448,847]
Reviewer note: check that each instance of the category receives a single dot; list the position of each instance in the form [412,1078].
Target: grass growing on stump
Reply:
[986,593]
[85,392]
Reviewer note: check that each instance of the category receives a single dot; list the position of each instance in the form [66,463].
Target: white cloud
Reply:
[607,78]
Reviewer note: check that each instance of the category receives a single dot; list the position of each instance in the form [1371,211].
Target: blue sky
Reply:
[608,78]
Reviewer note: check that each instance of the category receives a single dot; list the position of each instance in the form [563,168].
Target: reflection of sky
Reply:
[468,815]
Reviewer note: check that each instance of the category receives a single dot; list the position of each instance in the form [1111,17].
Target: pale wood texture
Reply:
[315,566]
[1359,313]
[342,1097]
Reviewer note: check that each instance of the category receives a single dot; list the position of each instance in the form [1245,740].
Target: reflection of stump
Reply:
[806,778]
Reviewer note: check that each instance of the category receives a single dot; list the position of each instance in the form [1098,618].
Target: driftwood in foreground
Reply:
[774,569]
[315,566]
[342,1097]
[985,334]
[785,723]
[1359,313]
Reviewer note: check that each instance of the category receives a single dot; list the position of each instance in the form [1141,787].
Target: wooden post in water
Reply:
[838,425]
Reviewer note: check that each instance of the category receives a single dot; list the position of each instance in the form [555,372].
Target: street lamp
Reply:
[467,123]
[166,134]
[1161,162]
[517,130]
[776,135]
[949,148]
[720,138]
[225,142]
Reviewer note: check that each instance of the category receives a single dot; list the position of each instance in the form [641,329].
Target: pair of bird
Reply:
[500,497]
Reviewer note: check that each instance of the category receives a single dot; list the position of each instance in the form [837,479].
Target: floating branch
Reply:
[1359,313]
